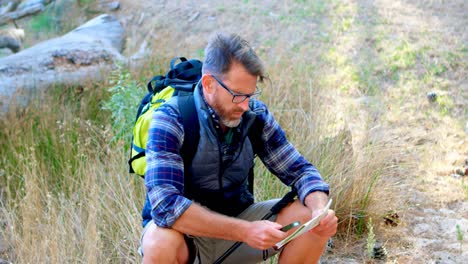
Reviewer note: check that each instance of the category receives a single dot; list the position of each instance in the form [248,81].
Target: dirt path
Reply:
[434,212]
[435,140]
[402,50]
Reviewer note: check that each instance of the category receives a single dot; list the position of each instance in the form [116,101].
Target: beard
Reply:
[225,114]
[231,123]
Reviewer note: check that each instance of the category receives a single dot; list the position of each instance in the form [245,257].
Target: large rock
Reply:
[84,54]
[11,39]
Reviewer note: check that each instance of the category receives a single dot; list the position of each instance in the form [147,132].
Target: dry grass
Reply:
[67,196]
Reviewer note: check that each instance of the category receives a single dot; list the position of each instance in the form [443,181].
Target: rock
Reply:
[460,172]
[104,6]
[392,218]
[113,6]
[421,228]
[10,43]
[11,39]
[330,246]
[379,251]
[431,96]
[84,54]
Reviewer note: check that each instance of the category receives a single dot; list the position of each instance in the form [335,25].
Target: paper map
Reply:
[305,227]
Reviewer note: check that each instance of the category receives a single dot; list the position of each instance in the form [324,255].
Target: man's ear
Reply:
[207,83]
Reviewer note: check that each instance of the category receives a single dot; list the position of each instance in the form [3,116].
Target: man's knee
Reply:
[295,211]
[164,244]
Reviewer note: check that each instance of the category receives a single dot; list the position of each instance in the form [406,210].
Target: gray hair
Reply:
[225,49]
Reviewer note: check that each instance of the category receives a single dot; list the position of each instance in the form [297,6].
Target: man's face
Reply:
[238,81]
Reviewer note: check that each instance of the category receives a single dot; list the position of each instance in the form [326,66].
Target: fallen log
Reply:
[85,54]
[26,8]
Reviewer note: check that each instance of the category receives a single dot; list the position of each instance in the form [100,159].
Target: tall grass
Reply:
[67,196]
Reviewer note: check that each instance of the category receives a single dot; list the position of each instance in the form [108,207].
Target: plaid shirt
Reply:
[164,177]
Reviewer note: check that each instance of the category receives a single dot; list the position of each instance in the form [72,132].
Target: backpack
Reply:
[180,81]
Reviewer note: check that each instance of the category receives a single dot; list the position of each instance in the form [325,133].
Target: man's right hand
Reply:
[263,234]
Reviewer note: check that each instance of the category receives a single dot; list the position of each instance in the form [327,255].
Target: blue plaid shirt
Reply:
[164,178]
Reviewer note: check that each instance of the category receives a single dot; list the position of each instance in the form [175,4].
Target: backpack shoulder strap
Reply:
[255,133]
[255,137]
[191,126]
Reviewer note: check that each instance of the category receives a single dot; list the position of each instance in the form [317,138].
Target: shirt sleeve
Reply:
[164,178]
[283,159]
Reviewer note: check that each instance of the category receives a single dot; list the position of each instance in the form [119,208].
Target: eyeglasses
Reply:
[236,97]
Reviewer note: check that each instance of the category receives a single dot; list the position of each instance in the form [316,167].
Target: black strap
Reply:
[173,61]
[191,126]
[254,134]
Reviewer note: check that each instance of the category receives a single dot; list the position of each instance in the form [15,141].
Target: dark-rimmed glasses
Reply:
[236,97]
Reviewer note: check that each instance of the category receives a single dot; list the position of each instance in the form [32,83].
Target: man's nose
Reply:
[245,104]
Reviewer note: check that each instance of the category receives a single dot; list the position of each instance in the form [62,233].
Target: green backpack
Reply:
[179,81]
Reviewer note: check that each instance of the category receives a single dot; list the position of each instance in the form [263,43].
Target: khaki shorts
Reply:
[206,250]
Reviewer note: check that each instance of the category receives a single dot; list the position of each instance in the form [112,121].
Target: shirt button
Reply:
[213,116]
[217,126]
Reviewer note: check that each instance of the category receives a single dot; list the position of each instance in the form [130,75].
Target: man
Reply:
[199,219]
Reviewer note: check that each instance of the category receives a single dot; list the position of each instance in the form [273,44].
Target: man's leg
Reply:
[307,248]
[164,245]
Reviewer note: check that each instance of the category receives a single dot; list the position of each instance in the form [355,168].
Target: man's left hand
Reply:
[328,224]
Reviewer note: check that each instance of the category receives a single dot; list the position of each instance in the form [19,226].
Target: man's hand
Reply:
[264,234]
[328,224]
[316,201]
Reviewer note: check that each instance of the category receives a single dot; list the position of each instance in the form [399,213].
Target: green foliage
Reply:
[126,94]
[460,237]
[85,2]
[445,103]
[44,22]
[459,233]
[57,18]
[403,57]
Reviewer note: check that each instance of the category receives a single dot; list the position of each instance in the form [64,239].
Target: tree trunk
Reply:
[84,54]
